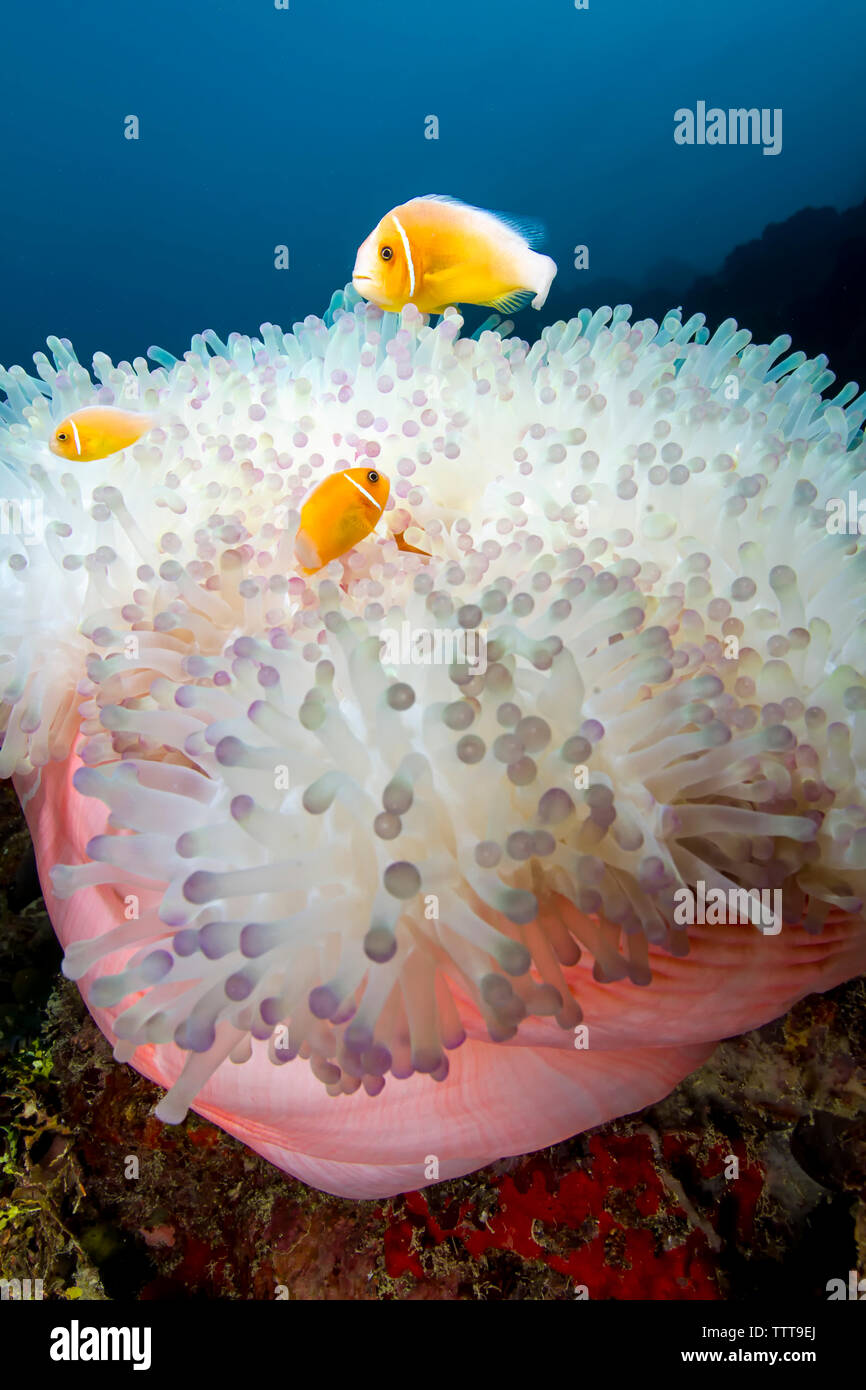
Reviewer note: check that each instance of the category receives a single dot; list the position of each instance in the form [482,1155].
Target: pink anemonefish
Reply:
[435,251]
[340,512]
[97,431]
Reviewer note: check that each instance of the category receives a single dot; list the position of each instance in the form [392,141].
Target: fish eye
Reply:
[62,436]
[372,476]
[386,253]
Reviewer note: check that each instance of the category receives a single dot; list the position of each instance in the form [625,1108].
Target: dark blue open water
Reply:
[262,127]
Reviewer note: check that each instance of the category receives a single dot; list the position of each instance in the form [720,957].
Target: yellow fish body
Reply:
[435,251]
[339,513]
[97,431]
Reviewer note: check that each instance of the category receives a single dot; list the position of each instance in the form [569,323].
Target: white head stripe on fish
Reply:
[368,495]
[77,440]
[408,250]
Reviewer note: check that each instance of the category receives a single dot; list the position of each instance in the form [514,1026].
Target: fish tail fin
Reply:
[403,544]
[546,271]
[307,554]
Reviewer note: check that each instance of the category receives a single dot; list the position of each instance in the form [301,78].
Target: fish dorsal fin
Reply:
[530,231]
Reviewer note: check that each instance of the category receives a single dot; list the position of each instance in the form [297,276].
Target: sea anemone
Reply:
[378,868]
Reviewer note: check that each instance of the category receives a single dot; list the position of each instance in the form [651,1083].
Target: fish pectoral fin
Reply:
[403,544]
[444,286]
[512,301]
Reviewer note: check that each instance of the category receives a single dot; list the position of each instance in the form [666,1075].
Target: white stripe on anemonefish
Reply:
[368,495]
[408,250]
[77,440]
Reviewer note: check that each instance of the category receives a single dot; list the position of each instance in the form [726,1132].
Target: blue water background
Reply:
[261,127]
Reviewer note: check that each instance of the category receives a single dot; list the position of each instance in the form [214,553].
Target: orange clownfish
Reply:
[339,513]
[435,251]
[97,431]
